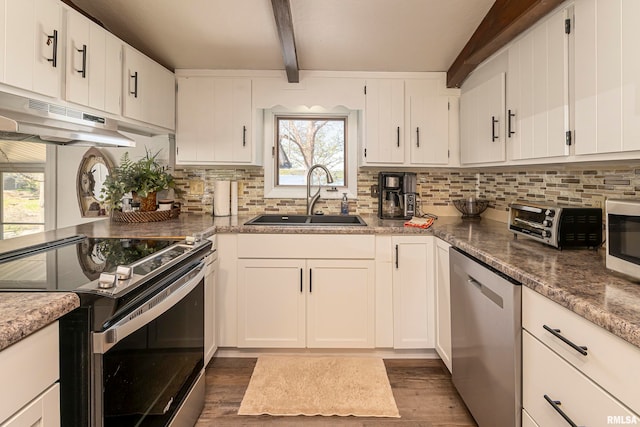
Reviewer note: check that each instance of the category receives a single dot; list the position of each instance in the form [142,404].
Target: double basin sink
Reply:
[307,220]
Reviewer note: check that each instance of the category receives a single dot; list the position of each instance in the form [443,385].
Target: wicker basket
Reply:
[152,216]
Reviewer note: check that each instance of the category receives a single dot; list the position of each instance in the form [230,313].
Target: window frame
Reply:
[273,191]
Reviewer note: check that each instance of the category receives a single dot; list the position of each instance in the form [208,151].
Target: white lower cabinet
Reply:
[412,292]
[29,394]
[210,323]
[527,421]
[443,302]
[295,303]
[553,390]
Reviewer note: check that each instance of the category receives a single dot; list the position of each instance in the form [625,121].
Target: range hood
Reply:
[26,119]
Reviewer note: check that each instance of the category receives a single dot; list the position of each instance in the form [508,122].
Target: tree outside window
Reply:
[306,141]
[22,203]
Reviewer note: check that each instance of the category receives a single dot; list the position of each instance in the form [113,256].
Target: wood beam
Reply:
[504,22]
[282,13]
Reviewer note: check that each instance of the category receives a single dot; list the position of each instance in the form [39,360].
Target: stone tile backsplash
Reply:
[575,185]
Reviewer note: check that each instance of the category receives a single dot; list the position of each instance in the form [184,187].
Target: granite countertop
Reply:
[574,278]
[26,312]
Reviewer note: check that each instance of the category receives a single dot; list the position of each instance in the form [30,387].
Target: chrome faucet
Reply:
[311,200]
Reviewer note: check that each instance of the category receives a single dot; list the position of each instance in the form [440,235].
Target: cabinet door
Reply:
[598,85]
[412,301]
[43,411]
[537,91]
[112,88]
[482,127]
[340,304]
[384,122]
[428,129]
[160,98]
[194,121]
[210,324]
[443,302]
[79,52]
[33,58]
[136,84]
[271,303]
[630,75]
[231,131]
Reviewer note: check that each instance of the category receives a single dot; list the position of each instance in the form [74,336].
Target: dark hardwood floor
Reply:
[422,389]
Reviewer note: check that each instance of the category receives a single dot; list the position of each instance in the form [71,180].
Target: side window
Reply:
[22,208]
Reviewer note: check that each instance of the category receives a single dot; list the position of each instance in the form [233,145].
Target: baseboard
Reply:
[384,353]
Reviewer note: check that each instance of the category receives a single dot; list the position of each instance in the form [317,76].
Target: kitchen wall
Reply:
[436,187]
[68,162]
[585,185]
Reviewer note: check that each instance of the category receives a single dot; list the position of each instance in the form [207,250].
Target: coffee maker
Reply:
[396,195]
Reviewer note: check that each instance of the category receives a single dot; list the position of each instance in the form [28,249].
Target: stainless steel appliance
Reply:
[132,354]
[396,195]
[486,341]
[623,236]
[557,226]
[26,119]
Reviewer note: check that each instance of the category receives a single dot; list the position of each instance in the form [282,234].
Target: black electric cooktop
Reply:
[76,264]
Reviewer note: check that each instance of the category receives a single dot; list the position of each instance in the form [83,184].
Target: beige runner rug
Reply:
[319,386]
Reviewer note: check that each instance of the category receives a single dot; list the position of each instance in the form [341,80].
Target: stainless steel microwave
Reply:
[623,236]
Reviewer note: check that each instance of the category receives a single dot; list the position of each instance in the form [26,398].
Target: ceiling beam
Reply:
[282,13]
[505,21]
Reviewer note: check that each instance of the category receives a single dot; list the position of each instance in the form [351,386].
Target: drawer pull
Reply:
[555,404]
[556,333]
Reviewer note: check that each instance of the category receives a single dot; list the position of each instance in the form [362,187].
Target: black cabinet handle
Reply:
[556,333]
[300,280]
[555,404]
[244,136]
[493,128]
[418,137]
[83,71]
[135,85]
[397,261]
[53,39]
[398,133]
[310,281]
[510,116]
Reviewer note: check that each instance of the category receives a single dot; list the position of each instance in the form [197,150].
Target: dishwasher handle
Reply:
[484,290]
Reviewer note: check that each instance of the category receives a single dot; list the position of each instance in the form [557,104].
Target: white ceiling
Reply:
[336,35]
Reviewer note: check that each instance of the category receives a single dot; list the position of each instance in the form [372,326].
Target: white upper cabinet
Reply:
[94,63]
[384,122]
[537,91]
[33,46]
[482,124]
[428,117]
[214,121]
[607,64]
[148,90]
[406,122]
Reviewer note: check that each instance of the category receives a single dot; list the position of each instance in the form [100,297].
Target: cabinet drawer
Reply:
[610,361]
[527,421]
[544,373]
[309,246]
[27,368]
[44,411]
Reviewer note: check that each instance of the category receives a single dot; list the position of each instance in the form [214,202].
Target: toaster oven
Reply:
[557,226]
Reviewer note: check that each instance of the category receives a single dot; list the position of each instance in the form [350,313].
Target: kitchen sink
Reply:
[307,220]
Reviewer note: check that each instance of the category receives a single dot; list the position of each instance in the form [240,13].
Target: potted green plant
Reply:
[143,178]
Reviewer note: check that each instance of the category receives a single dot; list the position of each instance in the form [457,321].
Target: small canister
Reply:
[165,204]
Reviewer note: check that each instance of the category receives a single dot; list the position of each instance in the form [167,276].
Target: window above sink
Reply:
[286,166]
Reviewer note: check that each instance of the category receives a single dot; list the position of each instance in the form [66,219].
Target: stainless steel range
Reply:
[132,354]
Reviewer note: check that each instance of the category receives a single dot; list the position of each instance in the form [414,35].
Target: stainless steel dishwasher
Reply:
[486,339]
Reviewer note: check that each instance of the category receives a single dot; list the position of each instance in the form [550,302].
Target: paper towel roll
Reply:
[221,198]
[234,197]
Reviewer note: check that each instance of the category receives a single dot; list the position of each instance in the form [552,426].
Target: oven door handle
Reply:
[149,311]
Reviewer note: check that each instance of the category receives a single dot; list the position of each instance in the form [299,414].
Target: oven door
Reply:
[146,364]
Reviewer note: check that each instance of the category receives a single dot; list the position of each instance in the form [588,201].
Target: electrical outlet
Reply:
[196,186]
[598,202]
